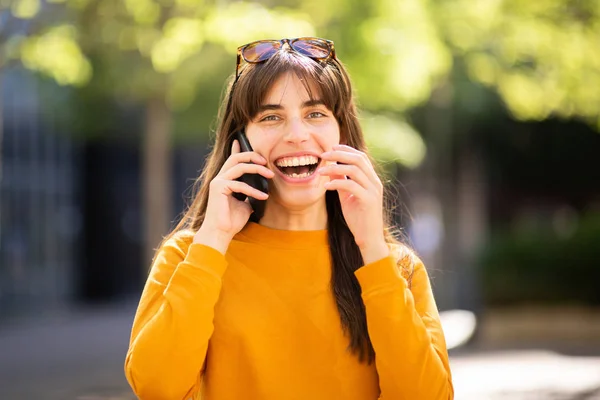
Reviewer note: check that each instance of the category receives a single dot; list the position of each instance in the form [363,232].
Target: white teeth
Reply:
[297,161]
[299,176]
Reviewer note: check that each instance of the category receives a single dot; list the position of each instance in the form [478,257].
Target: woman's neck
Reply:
[308,218]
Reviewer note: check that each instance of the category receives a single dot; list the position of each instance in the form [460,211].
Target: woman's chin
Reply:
[297,198]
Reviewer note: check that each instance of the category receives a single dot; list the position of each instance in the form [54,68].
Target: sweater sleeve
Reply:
[405,329]
[174,321]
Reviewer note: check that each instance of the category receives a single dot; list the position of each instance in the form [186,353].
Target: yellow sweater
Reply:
[261,323]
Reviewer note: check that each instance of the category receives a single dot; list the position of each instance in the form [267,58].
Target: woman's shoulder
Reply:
[179,241]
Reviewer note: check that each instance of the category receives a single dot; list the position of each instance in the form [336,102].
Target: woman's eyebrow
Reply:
[312,103]
[306,104]
[266,107]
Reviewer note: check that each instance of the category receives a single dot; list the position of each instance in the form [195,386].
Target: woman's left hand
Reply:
[361,197]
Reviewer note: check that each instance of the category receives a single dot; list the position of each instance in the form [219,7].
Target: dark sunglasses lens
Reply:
[260,51]
[312,48]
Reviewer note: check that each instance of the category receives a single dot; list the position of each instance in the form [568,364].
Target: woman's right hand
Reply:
[225,216]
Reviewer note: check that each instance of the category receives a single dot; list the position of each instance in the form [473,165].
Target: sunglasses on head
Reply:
[262,50]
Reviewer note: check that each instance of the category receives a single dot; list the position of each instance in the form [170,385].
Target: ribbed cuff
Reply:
[379,275]
[202,256]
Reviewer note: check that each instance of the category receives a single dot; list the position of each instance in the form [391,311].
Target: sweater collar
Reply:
[278,238]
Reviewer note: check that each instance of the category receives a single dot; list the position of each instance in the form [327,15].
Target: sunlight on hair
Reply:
[238,23]
[57,54]
[392,140]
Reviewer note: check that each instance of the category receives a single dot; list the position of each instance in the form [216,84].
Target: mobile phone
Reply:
[255,180]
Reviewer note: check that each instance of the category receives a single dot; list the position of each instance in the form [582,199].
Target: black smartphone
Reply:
[255,180]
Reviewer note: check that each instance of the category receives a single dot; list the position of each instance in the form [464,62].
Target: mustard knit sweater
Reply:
[261,322]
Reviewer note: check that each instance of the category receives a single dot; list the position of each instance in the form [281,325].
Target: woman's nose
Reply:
[296,131]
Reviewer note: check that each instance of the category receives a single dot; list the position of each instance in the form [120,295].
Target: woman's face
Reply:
[292,132]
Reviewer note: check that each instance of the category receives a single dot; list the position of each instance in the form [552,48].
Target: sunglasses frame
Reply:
[290,43]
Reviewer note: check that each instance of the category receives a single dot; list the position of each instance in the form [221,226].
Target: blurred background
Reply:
[485,114]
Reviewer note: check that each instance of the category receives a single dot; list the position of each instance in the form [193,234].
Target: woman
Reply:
[316,300]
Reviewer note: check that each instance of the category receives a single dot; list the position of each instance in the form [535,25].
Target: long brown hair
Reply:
[335,91]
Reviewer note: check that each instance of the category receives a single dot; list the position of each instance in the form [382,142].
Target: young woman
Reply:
[315,300]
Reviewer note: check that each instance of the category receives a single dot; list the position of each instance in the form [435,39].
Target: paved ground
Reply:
[526,375]
[79,356]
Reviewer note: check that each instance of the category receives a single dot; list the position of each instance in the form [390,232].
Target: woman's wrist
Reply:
[211,238]
[372,252]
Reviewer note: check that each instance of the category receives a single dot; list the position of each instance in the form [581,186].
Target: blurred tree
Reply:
[172,57]
[43,44]
[145,52]
[542,57]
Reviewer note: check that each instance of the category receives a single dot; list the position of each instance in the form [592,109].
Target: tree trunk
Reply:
[472,225]
[436,197]
[454,180]
[157,176]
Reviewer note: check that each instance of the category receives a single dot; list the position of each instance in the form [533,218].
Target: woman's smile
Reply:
[298,167]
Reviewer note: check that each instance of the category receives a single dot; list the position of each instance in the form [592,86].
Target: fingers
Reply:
[237,157]
[246,162]
[349,186]
[241,187]
[351,156]
[235,147]
[244,157]
[244,168]
[339,171]
[227,187]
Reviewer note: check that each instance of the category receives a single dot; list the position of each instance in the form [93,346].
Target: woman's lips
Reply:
[296,180]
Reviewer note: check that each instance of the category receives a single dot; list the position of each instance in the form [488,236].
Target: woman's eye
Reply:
[316,114]
[270,118]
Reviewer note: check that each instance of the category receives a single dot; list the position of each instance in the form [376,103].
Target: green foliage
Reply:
[541,57]
[57,54]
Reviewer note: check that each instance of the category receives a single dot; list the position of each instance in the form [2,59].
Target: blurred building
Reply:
[70,218]
[41,219]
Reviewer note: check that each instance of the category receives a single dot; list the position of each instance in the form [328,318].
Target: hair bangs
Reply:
[321,79]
